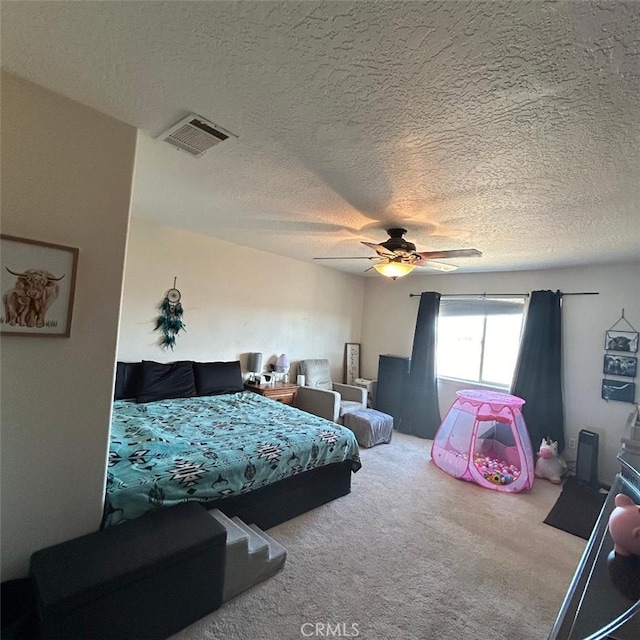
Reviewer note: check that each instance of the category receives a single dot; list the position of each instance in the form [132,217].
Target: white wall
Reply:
[236,300]
[389,320]
[66,179]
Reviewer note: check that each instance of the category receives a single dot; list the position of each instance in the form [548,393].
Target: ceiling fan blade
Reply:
[349,258]
[432,264]
[380,250]
[453,253]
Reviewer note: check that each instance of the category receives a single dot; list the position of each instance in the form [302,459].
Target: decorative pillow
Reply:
[163,381]
[317,374]
[127,377]
[215,378]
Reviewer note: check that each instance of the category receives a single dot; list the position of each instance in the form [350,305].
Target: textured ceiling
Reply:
[510,127]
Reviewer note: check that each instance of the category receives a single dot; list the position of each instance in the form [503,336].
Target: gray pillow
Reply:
[317,374]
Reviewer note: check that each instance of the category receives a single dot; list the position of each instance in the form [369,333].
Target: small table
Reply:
[284,392]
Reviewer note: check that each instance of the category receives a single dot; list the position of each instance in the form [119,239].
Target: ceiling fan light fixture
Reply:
[397,257]
[394,269]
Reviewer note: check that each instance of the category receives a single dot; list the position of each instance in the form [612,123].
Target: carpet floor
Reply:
[410,554]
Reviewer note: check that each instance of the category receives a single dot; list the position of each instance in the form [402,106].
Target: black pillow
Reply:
[214,378]
[163,381]
[127,377]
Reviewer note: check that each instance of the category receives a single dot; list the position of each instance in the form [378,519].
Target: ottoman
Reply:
[146,578]
[370,427]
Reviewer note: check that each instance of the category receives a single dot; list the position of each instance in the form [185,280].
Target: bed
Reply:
[188,431]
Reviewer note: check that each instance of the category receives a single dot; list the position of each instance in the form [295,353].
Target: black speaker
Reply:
[587,461]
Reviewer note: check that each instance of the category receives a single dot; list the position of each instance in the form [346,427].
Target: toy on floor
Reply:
[496,470]
[624,526]
[484,439]
[624,560]
[550,465]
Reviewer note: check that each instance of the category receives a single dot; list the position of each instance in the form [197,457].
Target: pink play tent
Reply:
[484,439]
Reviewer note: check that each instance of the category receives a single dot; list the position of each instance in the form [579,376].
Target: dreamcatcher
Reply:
[170,319]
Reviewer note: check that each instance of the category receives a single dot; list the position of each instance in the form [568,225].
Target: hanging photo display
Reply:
[618,341]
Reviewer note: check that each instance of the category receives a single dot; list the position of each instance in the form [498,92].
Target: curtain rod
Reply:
[503,295]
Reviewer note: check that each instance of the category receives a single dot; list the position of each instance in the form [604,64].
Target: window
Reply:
[478,340]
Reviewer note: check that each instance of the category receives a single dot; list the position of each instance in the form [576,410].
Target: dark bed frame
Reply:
[278,502]
[288,498]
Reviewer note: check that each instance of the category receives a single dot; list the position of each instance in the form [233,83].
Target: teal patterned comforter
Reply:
[207,448]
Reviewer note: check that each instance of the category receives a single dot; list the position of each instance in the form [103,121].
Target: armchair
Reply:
[322,397]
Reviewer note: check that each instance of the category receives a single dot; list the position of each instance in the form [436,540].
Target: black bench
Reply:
[146,578]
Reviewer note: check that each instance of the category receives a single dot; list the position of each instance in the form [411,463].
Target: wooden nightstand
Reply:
[284,392]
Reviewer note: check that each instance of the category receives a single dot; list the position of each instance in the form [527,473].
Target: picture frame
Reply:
[37,282]
[351,362]
[625,366]
[618,390]
[621,341]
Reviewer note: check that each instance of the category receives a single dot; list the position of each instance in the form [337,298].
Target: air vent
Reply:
[195,135]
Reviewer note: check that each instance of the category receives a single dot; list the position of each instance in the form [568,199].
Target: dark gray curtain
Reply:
[420,412]
[538,375]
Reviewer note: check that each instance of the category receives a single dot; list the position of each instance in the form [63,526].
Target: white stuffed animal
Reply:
[550,465]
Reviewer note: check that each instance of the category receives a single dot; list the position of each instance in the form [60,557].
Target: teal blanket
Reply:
[211,447]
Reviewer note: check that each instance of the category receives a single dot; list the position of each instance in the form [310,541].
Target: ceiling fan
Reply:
[397,257]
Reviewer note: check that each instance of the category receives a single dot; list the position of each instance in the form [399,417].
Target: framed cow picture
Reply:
[616,365]
[621,341]
[618,390]
[37,281]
